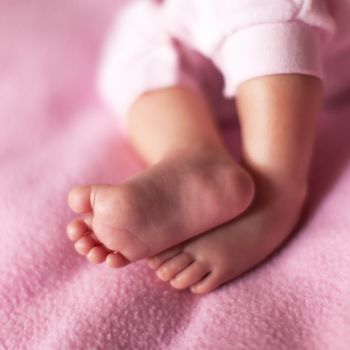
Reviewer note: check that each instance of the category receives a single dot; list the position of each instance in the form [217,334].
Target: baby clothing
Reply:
[242,39]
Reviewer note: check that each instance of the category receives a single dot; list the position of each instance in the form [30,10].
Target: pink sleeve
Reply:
[138,57]
[273,37]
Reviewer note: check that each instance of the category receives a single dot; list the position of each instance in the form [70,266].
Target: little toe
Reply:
[79,199]
[84,244]
[77,229]
[155,261]
[116,260]
[97,255]
[206,285]
[173,266]
[191,275]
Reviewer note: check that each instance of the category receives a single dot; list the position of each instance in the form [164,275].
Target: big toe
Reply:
[190,276]
[173,266]
[79,199]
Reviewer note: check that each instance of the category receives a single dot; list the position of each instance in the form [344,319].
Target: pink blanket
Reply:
[55,133]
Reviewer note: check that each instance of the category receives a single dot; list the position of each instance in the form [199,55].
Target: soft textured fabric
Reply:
[244,39]
[55,134]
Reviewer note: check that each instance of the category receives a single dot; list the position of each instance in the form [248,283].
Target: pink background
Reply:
[55,133]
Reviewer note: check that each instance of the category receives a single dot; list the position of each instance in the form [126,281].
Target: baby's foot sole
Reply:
[159,207]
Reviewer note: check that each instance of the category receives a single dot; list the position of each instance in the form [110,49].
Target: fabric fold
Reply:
[267,49]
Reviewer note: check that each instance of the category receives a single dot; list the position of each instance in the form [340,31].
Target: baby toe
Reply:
[155,261]
[116,260]
[192,274]
[79,199]
[206,285]
[77,229]
[173,266]
[84,244]
[97,255]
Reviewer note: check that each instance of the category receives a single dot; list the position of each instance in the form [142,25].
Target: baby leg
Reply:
[277,116]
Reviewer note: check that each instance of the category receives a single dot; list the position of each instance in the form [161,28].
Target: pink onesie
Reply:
[243,39]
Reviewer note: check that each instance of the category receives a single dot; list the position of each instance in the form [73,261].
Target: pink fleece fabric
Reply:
[55,133]
[243,39]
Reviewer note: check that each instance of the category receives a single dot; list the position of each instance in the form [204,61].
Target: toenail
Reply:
[81,243]
[174,281]
[152,264]
[70,231]
[193,289]
[161,273]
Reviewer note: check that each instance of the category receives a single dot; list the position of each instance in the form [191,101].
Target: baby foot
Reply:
[218,256]
[168,203]
[86,243]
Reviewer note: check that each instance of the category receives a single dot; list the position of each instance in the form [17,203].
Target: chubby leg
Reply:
[277,116]
[190,186]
